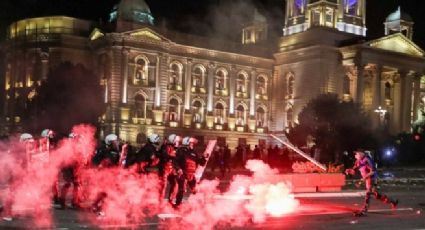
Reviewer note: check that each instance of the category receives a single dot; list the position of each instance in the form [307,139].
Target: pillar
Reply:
[210,102]
[188,88]
[360,83]
[125,53]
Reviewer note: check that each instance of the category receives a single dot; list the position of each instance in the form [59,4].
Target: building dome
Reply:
[133,11]
[399,15]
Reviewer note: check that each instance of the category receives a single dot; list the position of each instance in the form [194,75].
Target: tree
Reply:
[71,95]
[336,126]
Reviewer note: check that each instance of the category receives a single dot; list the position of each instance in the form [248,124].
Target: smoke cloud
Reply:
[131,198]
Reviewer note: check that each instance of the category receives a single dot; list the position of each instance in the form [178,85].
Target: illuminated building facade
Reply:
[156,80]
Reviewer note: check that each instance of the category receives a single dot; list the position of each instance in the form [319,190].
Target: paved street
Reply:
[316,211]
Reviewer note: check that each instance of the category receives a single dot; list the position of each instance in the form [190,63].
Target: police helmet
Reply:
[111,138]
[26,137]
[47,133]
[154,138]
[193,140]
[186,141]
[173,138]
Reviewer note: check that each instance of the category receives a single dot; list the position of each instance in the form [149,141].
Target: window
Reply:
[173,110]
[261,85]
[219,113]
[261,117]
[351,7]
[240,115]
[221,82]
[315,17]
[198,111]
[241,83]
[329,17]
[176,74]
[140,106]
[198,77]
[141,71]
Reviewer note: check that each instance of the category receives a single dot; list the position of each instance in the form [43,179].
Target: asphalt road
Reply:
[316,211]
[335,211]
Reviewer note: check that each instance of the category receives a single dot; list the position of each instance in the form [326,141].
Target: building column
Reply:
[360,83]
[210,102]
[187,88]
[232,89]
[158,82]
[125,54]
[416,94]
[399,100]
[44,57]
[377,87]
[407,102]
[252,93]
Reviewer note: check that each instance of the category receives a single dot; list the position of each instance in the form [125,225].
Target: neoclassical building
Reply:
[157,80]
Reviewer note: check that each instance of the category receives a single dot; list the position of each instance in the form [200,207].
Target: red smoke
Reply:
[132,198]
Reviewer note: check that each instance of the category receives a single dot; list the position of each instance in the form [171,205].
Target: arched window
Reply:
[289,118]
[346,85]
[240,115]
[198,111]
[221,82]
[219,113]
[140,106]
[261,85]
[198,77]
[261,117]
[141,71]
[176,74]
[290,86]
[173,110]
[387,91]
[241,84]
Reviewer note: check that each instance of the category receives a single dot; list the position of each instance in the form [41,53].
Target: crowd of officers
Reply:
[174,160]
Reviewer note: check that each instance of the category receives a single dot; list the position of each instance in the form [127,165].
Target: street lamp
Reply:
[381,113]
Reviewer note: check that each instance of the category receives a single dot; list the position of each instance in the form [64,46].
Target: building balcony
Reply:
[173,124]
[198,90]
[221,92]
[176,87]
[261,97]
[198,125]
[219,126]
[262,129]
[242,94]
[142,121]
[240,128]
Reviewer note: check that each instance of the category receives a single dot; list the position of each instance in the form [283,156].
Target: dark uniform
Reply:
[167,167]
[70,174]
[143,159]
[107,156]
[187,160]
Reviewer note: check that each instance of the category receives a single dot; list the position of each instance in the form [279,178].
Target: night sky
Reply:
[218,18]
